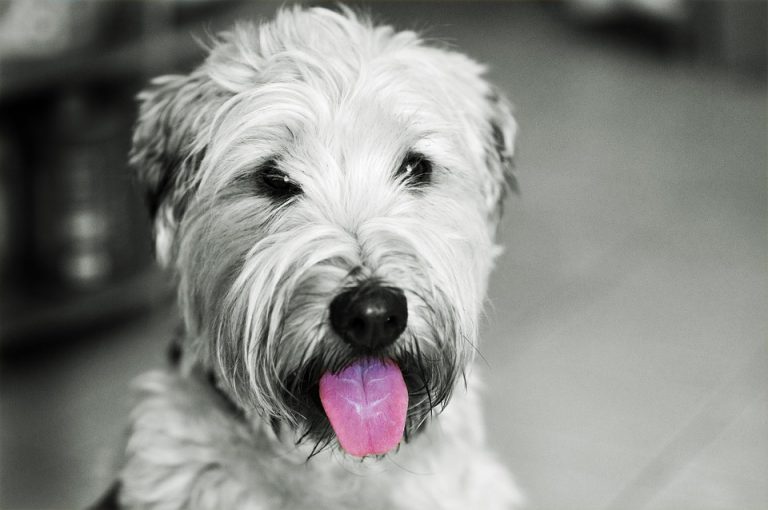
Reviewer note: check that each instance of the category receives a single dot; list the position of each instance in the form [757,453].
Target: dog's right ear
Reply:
[168,145]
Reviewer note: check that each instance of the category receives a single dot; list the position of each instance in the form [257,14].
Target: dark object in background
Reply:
[732,35]
[74,245]
[81,209]
[77,255]
[9,204]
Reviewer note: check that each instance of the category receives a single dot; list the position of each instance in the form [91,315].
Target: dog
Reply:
[326,192]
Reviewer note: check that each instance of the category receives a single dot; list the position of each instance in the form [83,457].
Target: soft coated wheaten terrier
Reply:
[326,193]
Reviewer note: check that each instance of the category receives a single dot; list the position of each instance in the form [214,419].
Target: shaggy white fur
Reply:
[306,156]
[187,450]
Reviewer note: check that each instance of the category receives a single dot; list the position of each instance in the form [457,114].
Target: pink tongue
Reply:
[366,404]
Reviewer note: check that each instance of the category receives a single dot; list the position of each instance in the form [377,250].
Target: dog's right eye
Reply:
[415,170]
[276,183]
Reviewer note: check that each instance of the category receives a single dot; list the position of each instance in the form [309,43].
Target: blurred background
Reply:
[626,346]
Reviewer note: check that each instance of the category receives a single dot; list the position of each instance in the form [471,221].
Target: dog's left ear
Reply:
[168,147]
[499,147]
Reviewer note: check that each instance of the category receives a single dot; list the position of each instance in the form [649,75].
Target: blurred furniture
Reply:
[732,35]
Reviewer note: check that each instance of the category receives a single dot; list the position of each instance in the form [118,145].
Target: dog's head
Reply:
[327,193]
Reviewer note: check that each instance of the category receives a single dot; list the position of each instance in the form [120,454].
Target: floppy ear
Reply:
[490,126]
[168,146]
[500,149]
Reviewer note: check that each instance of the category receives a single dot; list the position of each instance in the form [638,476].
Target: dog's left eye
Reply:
[415,170]
[276,183]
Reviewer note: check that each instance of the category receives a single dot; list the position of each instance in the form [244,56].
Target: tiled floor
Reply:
[627,340]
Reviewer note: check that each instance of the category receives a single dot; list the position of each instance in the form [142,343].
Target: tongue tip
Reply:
[356,451]
[381,441]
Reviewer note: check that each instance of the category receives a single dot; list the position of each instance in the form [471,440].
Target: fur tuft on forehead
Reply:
[318,46]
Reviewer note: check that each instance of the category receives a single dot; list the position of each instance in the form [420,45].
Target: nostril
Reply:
[392,321]
[357,326]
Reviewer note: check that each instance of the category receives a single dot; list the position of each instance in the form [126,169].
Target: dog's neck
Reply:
[181,361]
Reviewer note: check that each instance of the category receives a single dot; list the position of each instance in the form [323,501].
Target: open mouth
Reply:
[366,404]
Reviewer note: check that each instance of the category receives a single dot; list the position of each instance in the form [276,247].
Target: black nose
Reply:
[369,317]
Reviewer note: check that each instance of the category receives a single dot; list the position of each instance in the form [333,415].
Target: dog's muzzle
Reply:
[367,402]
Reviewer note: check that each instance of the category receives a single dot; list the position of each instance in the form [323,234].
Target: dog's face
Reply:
[327,194]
